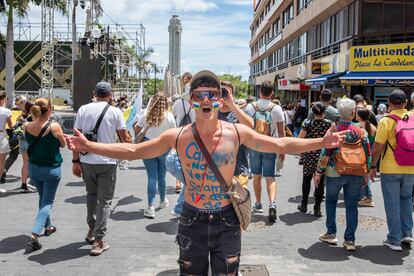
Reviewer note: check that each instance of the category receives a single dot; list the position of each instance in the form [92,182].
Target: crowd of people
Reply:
[342,146]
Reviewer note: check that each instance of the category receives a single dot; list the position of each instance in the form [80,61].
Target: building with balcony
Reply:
[349,46]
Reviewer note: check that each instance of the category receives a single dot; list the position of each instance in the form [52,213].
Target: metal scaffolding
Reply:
[48,53]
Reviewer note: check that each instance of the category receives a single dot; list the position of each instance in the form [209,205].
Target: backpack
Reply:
[262,119]
[186,120]
[351,159]
[404,150]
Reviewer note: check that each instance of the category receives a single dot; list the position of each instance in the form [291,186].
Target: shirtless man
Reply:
[208,224]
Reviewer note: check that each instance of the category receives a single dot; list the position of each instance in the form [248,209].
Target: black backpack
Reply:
[186,120]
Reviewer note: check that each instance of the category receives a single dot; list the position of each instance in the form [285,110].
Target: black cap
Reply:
[205,77]
[397,97]
[103,89]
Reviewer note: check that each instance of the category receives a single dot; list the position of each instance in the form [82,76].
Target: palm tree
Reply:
[143,64]
[21,8]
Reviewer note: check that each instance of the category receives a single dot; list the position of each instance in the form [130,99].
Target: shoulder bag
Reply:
[239,196]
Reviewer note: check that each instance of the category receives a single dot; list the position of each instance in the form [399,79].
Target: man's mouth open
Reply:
[206,109]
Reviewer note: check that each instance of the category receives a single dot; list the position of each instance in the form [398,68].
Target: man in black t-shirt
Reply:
[231,113]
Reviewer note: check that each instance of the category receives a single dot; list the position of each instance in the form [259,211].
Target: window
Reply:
[409,20]
[288,14]
[393,16]
[302,4]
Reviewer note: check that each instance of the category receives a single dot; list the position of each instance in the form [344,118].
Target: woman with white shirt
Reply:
[155,121]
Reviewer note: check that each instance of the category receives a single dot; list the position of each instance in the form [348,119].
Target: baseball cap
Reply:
[204,78]
[103,89]
[397,97]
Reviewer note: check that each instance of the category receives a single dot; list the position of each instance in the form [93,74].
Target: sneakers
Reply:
[258,207]
[407,240]
[329,238]
[177,215]
[34,244]
[27,188]
[367,202]
[98,247]
[3,178]
[164,204]
[317,211]
[349,245]
[272,212]
[90,237]
[303,207]
[2,191]
[393,247]
[150,212]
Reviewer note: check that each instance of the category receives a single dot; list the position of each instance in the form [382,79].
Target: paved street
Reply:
[141,246]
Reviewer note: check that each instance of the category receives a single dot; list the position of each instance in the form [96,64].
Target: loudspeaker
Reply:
[86,76]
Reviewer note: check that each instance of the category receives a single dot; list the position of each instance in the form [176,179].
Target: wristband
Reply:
[75,160]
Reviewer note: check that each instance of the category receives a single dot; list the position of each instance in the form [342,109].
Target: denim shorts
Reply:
[262,163]
[209,239]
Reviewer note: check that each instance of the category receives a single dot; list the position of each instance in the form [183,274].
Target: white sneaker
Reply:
[407,240]
[2,191]
[164,204]
[150,212]
[174,213]
[391,246]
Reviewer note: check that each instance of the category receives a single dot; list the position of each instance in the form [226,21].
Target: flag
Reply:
[134,112]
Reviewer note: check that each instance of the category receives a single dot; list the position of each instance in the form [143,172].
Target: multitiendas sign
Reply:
[387,57]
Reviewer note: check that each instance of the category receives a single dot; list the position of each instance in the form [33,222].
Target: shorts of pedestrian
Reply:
[209,238]
[23,146]
[262,163]
[4,145]
[243,180]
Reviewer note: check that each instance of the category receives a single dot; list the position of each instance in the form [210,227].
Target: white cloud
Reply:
[214,36]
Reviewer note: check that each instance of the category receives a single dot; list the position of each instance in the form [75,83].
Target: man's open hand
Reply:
[77,142]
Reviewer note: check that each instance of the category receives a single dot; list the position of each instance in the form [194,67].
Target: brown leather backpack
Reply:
[351,159]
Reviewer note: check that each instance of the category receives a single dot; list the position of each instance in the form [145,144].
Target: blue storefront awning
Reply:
[321,80]
[378,78]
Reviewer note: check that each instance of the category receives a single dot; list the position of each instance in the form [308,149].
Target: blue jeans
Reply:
[156,171]
[366,190]
[46,180]
[397,192]
[262,163]
[352,188]
[296,131]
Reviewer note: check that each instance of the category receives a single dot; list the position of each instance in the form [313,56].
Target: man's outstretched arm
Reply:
[145,150]
[263,143]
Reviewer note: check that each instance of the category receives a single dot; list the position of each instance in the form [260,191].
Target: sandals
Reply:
[50,230]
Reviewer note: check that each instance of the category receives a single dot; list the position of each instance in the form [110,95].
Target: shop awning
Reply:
[321,80]
[378,78]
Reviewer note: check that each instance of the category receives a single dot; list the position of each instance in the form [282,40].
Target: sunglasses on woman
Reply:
[211,95]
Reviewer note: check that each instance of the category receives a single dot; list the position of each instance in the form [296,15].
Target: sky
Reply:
[215,32]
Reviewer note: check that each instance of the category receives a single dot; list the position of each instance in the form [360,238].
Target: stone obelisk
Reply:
[175,29]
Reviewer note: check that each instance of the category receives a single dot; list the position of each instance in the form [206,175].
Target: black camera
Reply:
[224,92]
[91,136]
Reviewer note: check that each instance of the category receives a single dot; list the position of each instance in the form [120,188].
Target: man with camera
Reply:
[100,122]
[231,113]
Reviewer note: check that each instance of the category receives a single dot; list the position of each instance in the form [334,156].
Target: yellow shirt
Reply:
[386,132]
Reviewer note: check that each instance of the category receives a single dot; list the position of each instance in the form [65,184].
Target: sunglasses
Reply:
[211,95]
